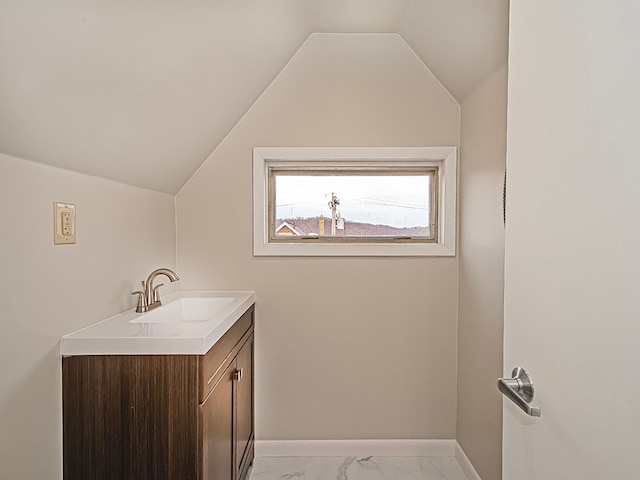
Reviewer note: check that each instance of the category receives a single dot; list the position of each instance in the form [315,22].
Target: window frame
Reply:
[442,159]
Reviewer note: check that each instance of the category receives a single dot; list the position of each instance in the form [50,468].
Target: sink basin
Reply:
[189,323]
[185,310]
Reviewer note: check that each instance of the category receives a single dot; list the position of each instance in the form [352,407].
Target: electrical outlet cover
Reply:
[64,223]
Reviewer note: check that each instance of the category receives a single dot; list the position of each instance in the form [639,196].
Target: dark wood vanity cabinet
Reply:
[157,417]
[227,412]
[243,407]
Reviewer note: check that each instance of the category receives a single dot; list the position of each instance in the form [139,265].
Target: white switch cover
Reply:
[64,223]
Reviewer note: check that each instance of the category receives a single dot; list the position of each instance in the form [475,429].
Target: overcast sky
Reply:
[398,201]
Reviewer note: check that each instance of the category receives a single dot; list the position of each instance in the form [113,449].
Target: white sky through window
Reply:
[394,200]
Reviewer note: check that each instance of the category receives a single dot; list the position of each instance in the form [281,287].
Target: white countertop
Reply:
[118,336]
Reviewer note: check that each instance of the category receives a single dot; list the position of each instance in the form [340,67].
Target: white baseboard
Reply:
[355,448]
[362,448]
[465,464]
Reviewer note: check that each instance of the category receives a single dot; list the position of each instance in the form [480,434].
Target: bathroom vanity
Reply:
[166,396]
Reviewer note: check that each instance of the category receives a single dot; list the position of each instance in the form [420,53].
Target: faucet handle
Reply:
[156,294]
[142,306]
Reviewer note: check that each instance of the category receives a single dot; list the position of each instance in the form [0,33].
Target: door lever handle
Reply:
[519,389]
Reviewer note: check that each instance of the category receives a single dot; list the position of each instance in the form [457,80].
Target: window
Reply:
[351,204]
[354,201]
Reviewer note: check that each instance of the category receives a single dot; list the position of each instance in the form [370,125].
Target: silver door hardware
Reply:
[519,389]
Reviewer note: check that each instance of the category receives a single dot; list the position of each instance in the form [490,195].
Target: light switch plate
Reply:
[64,223]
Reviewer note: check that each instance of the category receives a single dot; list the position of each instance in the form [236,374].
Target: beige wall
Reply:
[346,348]
[47,291]
[481,270]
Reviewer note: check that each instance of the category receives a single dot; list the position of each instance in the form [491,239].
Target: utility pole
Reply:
[334,207]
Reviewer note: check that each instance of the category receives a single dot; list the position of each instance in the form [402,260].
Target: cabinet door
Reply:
[244,407]
[217,429]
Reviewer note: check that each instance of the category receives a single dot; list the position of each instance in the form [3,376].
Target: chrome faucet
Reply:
[149,297]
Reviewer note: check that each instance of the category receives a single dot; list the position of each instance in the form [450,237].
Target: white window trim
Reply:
[443,157]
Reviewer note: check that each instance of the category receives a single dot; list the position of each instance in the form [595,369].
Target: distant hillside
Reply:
[308,226]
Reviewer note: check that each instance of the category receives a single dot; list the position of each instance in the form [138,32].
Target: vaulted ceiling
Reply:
[141,91]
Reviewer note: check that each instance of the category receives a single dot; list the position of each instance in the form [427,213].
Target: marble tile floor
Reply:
[356,468]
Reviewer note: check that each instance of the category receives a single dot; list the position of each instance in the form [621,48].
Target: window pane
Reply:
[352,204]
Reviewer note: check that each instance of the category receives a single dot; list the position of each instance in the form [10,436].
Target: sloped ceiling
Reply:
[141,91]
